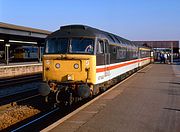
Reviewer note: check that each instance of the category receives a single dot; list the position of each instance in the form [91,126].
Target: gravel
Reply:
[16,114]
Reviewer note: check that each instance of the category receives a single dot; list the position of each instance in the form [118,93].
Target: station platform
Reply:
[148,101]
[20,69]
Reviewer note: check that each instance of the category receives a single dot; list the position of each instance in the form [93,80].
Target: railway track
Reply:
[49,117]
[19,109]
[5,82]
[18,96]
[35,120]
[15,89]
[18,88]
[44,119]
[23,96]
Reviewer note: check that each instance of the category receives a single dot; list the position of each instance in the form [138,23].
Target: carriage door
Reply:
[103,56]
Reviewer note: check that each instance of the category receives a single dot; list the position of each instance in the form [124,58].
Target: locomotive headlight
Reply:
[76,66]
[57,65]
[70,77]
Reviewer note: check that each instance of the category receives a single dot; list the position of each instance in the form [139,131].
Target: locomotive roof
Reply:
[87,31]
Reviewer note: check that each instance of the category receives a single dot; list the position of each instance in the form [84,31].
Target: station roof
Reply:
[22,28]
[21,33]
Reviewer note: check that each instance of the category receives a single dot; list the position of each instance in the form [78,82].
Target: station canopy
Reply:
[160,44]
[14,34]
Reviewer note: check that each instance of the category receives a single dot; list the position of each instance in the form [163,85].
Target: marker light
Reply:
[48,62]
[57,65]
[76,66]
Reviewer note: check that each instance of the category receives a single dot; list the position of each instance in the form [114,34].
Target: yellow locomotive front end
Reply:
[69,69]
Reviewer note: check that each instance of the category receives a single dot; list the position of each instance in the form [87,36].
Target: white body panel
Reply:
[114,70]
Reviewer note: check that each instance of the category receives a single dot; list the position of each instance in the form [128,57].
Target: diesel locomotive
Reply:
[80,61]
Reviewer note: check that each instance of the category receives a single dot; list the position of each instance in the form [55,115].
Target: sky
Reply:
[131,19]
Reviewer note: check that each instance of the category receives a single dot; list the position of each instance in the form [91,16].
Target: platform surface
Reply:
[147,102]
[20,69]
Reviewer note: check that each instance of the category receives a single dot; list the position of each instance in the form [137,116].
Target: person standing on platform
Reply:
[161,57]
[165,58]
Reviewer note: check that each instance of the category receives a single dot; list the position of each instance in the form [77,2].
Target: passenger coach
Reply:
[79,61]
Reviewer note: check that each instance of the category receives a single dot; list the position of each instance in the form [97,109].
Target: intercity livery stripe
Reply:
[120,65]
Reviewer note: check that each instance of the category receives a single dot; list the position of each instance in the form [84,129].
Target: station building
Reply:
[18,43]
[21,50]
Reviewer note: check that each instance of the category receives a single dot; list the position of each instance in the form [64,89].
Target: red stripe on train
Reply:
[119,65]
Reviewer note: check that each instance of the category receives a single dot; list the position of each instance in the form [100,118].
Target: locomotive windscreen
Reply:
[72,45]
[56,46]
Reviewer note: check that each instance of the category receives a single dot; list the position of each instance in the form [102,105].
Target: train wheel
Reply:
[103,89]
[57,97]
[50,98]
[71,99]
[91,94]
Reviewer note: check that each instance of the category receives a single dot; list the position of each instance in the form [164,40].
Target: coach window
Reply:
[100,47]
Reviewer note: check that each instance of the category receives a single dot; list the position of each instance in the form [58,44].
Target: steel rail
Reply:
[11,81]
[19,128]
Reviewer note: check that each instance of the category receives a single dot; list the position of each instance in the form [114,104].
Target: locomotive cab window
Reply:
[70,45]
[82,45]
[56,46]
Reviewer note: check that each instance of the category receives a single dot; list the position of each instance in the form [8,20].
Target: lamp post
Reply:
[39,54]
[171,52]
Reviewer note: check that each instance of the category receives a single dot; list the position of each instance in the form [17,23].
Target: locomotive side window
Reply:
[114,50]
[144,54]
[135,54]
[121,53]
[100,47]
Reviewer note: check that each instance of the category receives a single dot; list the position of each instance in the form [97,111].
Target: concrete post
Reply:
[39,54]
[3,53]
[7,53]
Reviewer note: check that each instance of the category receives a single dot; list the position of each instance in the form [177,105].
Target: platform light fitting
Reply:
[14,41]
[7,45]
[1,40]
